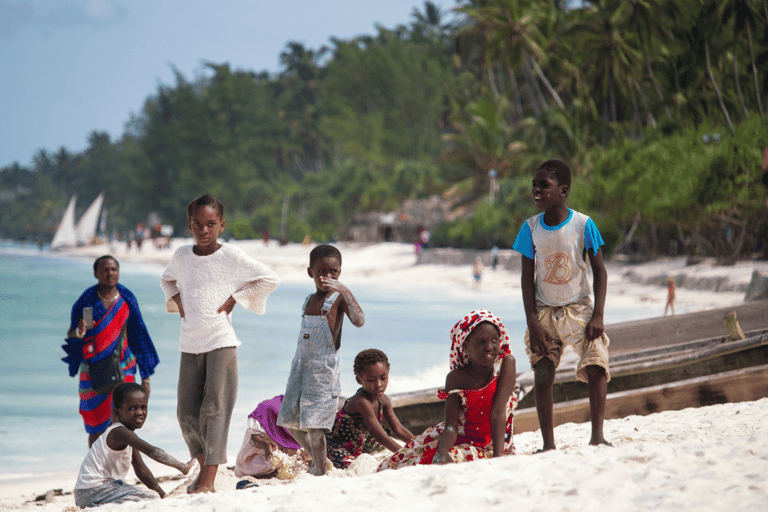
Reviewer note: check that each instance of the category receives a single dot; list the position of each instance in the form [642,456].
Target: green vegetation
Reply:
[659,106]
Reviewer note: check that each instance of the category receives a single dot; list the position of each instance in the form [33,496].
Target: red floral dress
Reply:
[474,431]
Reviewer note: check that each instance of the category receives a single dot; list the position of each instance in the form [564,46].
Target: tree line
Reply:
[658,106]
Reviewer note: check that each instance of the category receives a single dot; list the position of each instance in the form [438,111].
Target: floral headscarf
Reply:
[464,328]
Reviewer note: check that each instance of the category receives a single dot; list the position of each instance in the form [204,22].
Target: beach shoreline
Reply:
[394,266]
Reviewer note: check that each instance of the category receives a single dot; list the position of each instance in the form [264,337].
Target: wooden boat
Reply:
[664,371]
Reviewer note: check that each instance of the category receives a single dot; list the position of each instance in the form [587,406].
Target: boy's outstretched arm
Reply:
[539,338]
[504,390]
[120,437]
[350,305]
[596,326]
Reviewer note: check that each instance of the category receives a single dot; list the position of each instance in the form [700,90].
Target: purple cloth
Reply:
[266,414]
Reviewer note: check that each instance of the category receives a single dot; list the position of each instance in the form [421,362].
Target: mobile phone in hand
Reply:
[88,317]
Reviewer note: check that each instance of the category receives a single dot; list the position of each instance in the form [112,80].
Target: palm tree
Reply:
[608,53]
[745,16]
[509,29]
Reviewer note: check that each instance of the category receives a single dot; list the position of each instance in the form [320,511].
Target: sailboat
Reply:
[68,234]
[86,227]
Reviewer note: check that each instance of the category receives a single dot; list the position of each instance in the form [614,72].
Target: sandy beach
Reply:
[695,459]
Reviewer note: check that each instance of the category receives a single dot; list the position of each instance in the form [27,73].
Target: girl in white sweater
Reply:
[202,283]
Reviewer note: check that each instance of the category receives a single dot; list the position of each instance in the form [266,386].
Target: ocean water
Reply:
[41,433]
[40,429]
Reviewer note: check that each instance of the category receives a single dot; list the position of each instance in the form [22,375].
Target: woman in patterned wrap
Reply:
[117,326]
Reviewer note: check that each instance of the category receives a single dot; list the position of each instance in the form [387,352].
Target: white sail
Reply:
[86,227]
[66,235]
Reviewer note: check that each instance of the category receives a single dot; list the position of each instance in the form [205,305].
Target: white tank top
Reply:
[561,264]
[103,464]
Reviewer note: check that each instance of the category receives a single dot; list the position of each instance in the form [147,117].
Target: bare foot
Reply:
[545,448]
[204,481]
[599,442]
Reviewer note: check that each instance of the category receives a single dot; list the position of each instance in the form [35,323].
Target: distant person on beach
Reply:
[477,272]
[100,480]
[312,392]
[262,439]
[114,329]
[202,283]
[358,428]
[670,296]
[494,257]
[555,246]
[479,404]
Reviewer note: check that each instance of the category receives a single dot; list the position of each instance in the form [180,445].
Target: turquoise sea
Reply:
[40,429]
[41,432]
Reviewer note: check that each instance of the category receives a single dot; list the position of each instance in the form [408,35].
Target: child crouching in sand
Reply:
[100,478]
[479,402]
[358,427]
[263,439]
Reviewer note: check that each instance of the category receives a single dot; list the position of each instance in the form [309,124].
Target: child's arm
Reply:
[349,305]
[595,327]
[504,389]
[451,429]
[450,432]
[398,429]
[539,338]
[177,299]
[120,437]
[359,405]
[254,282]
[144,474]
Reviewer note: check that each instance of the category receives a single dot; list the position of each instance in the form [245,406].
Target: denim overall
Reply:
[314,384]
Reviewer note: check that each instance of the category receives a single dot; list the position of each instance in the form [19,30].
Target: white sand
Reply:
[708,458]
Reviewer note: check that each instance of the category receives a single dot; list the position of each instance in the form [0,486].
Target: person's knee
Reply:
[594,373]
[544,373]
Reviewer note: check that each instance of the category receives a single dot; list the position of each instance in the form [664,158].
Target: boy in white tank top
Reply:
[101,475]
[555,246]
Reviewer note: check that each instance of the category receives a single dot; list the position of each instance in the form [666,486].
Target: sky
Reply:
[70,67]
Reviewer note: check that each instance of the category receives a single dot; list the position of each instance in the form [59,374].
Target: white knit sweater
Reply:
[205,283]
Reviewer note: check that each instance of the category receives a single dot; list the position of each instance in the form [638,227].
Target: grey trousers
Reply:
[207,392]
[115,491]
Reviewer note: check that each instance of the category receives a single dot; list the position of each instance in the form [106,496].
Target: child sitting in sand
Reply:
[555,246]
[479,402]
[358,427]
[312,393]
[263,438]
[100,478]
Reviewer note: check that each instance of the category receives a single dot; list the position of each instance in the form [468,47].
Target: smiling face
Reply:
[547,193]
[133,411]
[330,266]
[483,344]
[107,273]
[206,225]
[373,378]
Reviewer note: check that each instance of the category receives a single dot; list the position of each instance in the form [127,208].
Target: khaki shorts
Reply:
[567,325]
